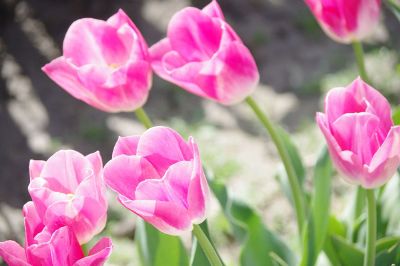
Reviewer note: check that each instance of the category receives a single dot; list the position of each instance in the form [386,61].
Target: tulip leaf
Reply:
[335,227]
[260,246]
[396,115]
[317,226]
[348,254]
[388,201]
[198,258]
[388,251]
[158,249]
[394,6]
[296,162]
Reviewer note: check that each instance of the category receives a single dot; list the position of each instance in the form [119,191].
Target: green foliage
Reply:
[260,246]
[297,164]
[317,226]
[396,115]
[394,6]
[158,249]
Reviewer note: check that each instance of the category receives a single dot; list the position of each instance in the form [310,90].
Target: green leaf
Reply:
[260,246]
[347,253]
[396,115]
[335,227]
[296,162]
[388,251]
[197,257]
[158,249]
[388,201]
[317,226]
[394,6]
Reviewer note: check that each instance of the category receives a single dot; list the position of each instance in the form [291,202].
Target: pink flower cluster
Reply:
[107,63]
[68,208]
[153,174]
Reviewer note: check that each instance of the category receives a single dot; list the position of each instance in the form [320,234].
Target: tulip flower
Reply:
[346,21]
[203,55]
[159,177]
[46,248]
[362,140]
[104,63]
[68,190]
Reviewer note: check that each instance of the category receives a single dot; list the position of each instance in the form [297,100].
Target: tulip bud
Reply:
[363,142]
[104,63]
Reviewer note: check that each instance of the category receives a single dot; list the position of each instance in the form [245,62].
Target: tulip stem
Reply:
[207,247]
[143,117]
[369,259]
[295,187]
[359,54]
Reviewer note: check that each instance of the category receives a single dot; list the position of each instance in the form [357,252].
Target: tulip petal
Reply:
[35,168]
[63,249]
[385,161]
[350,128]
[78,214]
[126,146]
[32,221]
[162,147]
[75,168]
[346,162]
[198,192]
[97,254]
[123,174]
[213,10]
[93,41]
[376,103]
[193,34]
[65,74]
[168,217]
[13,254]
[172,187]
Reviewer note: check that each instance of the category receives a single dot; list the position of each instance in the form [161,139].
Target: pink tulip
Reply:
[159,177]
[104,63]
[46,248]
[363,143]
[69,190]
[346,21]
[203,55]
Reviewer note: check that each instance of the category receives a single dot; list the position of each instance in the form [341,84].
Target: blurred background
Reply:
[297,63]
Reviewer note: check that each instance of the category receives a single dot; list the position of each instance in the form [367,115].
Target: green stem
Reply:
[369,259]
[298,197]
[359,54]
[143,118]
[207,247]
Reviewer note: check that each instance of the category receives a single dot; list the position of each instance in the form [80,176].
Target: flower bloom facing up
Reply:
[104,63]
[346,20]
[203,55]
[363,143]
[69,189]
[159,177]
[46,248]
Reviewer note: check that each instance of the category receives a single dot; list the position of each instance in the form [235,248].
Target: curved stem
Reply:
[297,193]
[369,259]
[143,118]
[359,54]
[207,247]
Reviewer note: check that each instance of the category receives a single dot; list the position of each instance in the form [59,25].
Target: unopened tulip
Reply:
[69,189]
[159,176]
[346,21]
[203,55]
[362,140]
[104,63]
[46,248]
